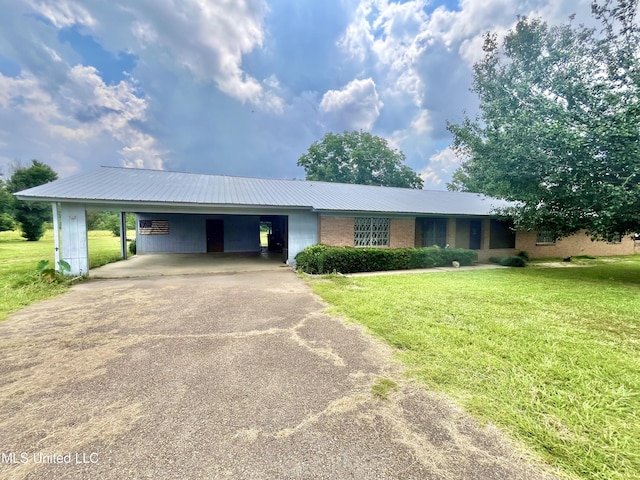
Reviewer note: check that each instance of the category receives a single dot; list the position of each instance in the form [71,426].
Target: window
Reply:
[545,237]
[434,232]
[371,232]
[616,238]
[503,234]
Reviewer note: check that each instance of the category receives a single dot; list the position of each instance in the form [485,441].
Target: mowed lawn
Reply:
[552,355]
[19,259]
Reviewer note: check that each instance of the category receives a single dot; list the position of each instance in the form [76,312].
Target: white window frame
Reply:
[371,231]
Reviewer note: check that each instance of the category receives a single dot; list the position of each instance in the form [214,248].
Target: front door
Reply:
[215,235]
[475,234]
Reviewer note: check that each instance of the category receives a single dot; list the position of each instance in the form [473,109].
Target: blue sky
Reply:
[241,87]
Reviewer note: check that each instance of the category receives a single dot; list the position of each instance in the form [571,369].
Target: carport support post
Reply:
[56,237]
[75,250]
[123,235]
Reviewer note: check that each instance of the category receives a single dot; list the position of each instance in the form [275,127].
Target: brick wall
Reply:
[578,244]
[337,231]
[402,232]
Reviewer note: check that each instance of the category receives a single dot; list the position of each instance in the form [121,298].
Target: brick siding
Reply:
[578,244]
[336,231]
[402,232]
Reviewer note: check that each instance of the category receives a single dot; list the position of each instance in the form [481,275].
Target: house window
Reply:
[502,234]
[371,232]
[434,232]
[545,237]
[616,238]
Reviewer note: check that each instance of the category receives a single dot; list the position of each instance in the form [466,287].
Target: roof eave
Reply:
[143,203]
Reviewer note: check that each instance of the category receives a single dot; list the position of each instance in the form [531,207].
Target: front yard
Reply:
[19,258]
[552,355]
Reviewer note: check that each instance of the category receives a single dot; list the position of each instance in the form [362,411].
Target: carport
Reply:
[180,213]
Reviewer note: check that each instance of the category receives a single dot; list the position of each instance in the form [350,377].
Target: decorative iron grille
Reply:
[371,232]
[545,236]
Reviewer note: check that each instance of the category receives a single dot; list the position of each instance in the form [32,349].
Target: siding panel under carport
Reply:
[303,232]
[187,233]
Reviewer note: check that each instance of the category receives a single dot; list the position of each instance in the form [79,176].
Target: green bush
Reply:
[515,261]
[132,247]
[319,259]
[519,260]
[6,222]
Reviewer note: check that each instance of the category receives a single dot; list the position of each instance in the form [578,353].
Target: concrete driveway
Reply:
[220,376]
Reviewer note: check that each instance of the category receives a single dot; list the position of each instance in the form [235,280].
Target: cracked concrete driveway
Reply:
[220,376]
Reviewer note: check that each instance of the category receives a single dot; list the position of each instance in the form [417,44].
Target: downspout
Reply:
[123,235]
[56,236]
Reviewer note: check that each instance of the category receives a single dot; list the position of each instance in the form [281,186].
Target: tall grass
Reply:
[550,354]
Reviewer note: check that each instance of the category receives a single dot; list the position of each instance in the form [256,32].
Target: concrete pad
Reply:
[221,376]
[162,264]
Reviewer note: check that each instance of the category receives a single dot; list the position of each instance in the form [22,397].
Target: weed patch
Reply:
[383,387]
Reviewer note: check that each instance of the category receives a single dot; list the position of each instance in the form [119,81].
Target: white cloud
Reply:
[355,107]
[441,165]
[62,13]
[421,124]
[84,113]
[242,86]
[208,38]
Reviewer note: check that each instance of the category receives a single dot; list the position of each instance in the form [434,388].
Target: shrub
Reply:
[514,261]
[319,259]
[132,247]
[6,222]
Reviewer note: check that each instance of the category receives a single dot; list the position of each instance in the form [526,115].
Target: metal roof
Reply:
[111,185]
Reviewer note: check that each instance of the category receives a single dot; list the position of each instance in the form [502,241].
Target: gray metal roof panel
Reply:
[112,185]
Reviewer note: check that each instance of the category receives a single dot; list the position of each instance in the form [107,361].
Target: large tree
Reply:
[31,215]
[357,157]
[559,128]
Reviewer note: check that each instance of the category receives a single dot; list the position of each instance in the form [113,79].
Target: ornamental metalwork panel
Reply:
[371,232]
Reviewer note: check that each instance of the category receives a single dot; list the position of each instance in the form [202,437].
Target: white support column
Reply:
[123,235]
[56,236]
[75,249]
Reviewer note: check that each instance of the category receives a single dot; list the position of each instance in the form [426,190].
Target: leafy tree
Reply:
[6,200]
[31,215]
[111,221]
[357,157]
[559,128]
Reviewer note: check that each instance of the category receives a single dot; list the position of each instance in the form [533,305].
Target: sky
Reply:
[241,87]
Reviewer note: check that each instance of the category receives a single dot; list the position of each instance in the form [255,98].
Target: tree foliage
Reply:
[6,200]
[31,215]
[360,158]
[559,128]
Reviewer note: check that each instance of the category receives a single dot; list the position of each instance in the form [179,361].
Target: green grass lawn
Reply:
[19,258]
[552,355]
